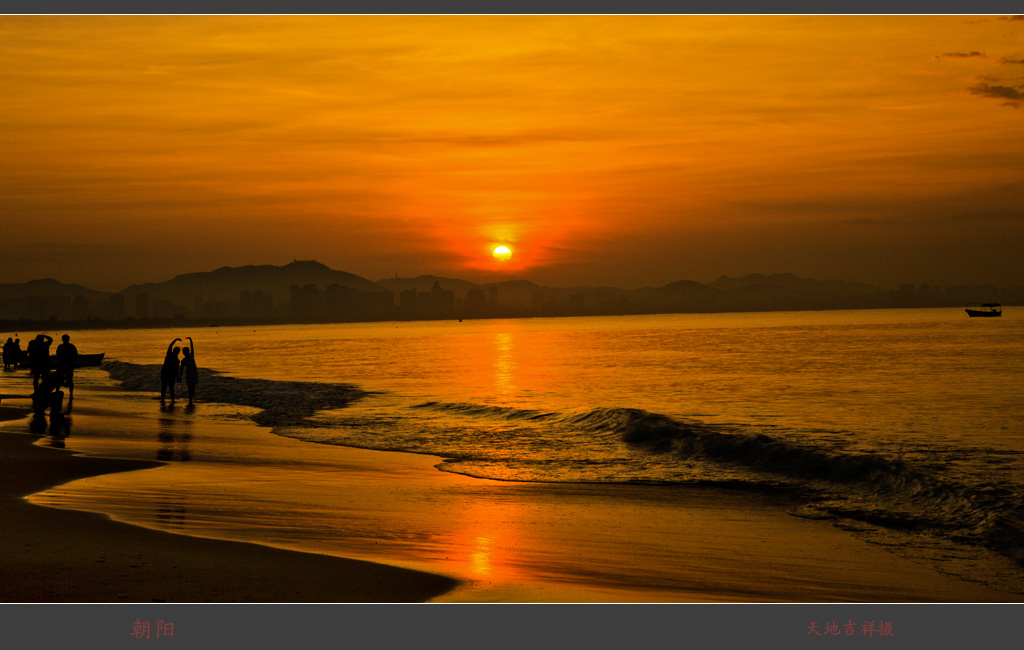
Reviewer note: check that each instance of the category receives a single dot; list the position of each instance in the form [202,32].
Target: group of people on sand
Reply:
[174,368]
[13,354]
[47,380]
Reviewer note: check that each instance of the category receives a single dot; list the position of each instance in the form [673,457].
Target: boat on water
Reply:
[984,309]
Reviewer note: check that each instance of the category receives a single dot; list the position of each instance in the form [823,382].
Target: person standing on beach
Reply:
[19,354]
[9,359]
[169,371]
[39,357]
[66,355]
[188,368]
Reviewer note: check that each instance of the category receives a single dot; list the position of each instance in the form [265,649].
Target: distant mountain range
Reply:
[311,292]
[227,282]
[47,287]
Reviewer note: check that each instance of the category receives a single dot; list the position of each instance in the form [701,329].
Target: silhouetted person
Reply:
[19,354]
[9,358]
[39,357]
[169,371]
[66,355]
[188,368]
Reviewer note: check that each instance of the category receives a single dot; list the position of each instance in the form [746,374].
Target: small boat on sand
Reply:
[987,309]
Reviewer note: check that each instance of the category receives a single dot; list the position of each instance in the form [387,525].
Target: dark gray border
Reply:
[512,626]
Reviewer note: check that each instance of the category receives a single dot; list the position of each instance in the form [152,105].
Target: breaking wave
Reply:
[870,488]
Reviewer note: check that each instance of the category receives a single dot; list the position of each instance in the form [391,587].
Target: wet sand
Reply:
[503,541]
[52,555]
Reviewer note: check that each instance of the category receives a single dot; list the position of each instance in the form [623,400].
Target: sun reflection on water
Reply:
[504,363]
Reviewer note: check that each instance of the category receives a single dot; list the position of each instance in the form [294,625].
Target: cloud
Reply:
[953,215]
[1011,18]
[996,92]
[1008,61]
[958,55]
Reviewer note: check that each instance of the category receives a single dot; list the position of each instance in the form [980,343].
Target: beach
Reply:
[53,555]
[505,541]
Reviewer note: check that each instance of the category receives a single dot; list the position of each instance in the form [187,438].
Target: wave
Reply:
[663,434]
[890,492]
[872,488]
[484,410]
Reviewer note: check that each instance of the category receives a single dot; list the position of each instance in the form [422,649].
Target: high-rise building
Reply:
[117,306]
[262,304]
[142,305]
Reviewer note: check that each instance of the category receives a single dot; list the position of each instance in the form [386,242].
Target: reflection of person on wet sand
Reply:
[188,368]
[66,355]
[169,371]
[47,394]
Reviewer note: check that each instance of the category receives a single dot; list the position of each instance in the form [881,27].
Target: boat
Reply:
[984,309]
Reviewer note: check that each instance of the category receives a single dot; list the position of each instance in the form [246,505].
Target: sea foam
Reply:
[282,403]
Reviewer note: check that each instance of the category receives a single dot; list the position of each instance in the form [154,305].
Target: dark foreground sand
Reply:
[51,555]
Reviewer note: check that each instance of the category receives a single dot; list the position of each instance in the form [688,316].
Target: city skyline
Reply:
[627,151]
[308,291]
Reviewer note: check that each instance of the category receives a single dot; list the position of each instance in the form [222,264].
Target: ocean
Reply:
[903,427]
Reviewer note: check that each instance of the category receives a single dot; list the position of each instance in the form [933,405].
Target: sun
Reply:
[502,253]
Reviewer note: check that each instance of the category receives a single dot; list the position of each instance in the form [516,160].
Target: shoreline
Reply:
[55,555]
[500,541]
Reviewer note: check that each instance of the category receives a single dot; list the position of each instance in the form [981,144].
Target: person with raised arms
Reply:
[169,370]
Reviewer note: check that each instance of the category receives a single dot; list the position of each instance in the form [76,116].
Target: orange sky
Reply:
[616,150]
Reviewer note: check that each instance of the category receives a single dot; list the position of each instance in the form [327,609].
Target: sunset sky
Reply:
[626,151]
